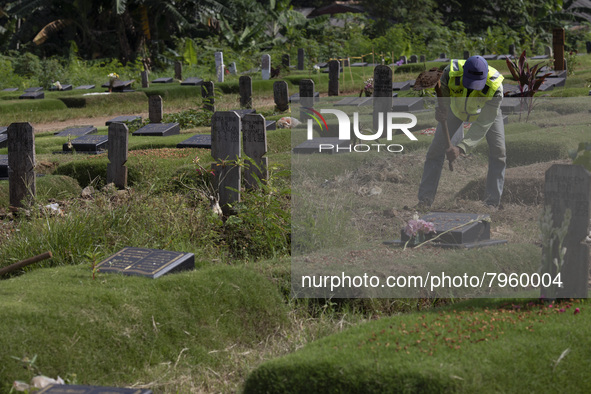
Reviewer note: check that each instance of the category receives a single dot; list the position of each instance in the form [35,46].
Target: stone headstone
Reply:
[254,145]
[178,70]
[306,97]
[285,60]
[461,230]
[85,87]
[301,58]
[245,90]
[116,169]
[333,77]
[152,263]
[548,51]
[145,82]
[219,66]
[3,167]
[359,64]
[92,144]
[192,81]
[442,56]
[512,49]
[327,145]
[225,149]
[33,95]
[281,95]
[382,94]
[123,119]
[21,161]
[404,59]
[588,46]
[242,112]
[155,109]
[266,66]
[423,59]
[76,131]
[196,141]
[413,59]
[569,187]
[466,54]
[232,68]
[207,94]
[558,47]
[159,130]
[163,80]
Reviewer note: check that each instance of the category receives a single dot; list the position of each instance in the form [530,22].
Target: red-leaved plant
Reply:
[529,83]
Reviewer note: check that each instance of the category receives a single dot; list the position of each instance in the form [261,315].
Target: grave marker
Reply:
[76,131]
[245,89]
[34,89]
[232,68]
[3,129]
[407,104]
[225,149]
[404,60]
[548,51]
[92,144]
[281,95]
[208,96]
[159,129]
[155,109]
[413,59]
[116,169]
[219,66]
[10,90]
[334,69]
[192,81]
[466,55]
[163,80]
[85,87]
[178,70]
[37,95]
[3,166]
[123,119]
[152,263]
[569,187]
[3,140]
[382,93]
[196,141]
[423,58]
[266,66]
[558,47]
[301,57]
[306,97]
[21,161]
[145,82]
[512,49]
[587,46]
[254,144]
[286,60]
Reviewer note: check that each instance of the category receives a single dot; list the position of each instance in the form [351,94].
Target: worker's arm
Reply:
[485,120]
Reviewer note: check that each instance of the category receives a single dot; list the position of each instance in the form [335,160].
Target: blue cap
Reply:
[475,73]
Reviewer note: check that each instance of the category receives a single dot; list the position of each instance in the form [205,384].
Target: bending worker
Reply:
[473,92]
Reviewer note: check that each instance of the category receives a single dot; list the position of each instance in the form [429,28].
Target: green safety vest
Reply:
[468,110]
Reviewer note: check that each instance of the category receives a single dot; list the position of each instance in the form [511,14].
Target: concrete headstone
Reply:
[266,66]
[21,162]
[281,95]
[116,170]
[245,90]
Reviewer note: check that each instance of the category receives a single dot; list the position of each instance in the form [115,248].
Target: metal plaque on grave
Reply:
[407,104]
[152,263]
[3,166]
[123,119]
[87,144]
[328,145]
[192,81]
[3,140]
[162,80]
[79,389]
[85,87]
[196,141]
[33,95]
[76,131]
[159,129]
[462,230]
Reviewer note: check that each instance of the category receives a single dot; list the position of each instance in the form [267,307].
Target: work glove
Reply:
[441,113]
[453,153]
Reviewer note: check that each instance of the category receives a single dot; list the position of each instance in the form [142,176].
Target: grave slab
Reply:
[79,389]
[330,145]
[510,105]
[3,129]
[490,57]
[192,81]
[354,101]
[295,98]
[33,95]
[163,80]
[152,263]
[407,104]
[10,90]
[123,119]
[553,74]
[196,141]
[442,60]
[85,87]
[76,131]
[62,88]
[359,64]
[3,140]
[504,57]
[88,144]
[34,89]
[322,65]
[246,111]
[540,57]
[401,85]
[120,86]
[3,166]
[270,125]
[464,230]
[159,129]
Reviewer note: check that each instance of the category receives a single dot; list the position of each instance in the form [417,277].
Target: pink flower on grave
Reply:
[418,226]
[577,310]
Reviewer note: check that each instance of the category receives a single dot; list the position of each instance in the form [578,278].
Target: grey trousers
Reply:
[495,178]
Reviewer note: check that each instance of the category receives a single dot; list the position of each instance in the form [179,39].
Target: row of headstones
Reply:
[280,94]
